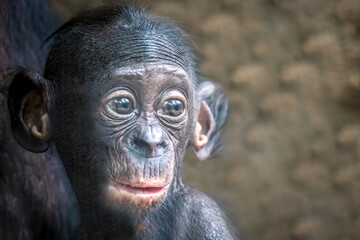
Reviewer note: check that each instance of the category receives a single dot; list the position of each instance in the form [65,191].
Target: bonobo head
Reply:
[121,100]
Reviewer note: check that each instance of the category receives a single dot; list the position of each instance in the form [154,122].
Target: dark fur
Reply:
[35,195]
[75,42]
[84,51]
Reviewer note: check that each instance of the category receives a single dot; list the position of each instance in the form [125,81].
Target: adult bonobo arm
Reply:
[36,200]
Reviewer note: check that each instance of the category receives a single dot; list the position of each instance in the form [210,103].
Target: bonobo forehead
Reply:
[143,69]
[146,81]
[109,38]
[152,74]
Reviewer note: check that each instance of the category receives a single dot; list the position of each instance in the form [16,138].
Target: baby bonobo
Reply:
[121,100]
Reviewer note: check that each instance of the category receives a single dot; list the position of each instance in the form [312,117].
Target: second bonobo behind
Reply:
[121,100]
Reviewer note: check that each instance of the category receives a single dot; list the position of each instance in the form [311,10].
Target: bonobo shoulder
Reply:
[206,219]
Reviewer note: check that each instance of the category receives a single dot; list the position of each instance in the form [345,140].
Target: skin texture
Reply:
[121,102]
[36,200]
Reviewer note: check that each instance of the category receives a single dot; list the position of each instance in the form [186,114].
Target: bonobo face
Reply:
[134,125]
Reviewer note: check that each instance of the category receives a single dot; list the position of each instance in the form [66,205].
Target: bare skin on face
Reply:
[145,152]
[142,197]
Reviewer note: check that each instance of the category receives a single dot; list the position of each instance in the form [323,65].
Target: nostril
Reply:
[133,142]
[139,143]
[163,145]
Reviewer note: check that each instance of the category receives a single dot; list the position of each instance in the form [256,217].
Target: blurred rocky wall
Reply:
[291,68]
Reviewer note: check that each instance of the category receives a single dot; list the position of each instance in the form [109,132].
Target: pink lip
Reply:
[140,189]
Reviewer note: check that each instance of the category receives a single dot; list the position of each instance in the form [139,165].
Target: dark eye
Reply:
[173,107]
[121,105]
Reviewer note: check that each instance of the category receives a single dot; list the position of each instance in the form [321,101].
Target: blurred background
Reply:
[290,167]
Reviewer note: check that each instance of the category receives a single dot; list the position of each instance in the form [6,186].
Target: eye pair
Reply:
[123,103]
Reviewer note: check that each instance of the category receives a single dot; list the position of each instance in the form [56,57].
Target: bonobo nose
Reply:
[148,141]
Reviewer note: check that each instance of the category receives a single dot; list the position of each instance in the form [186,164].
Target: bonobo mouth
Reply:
[147,190]
[144,189]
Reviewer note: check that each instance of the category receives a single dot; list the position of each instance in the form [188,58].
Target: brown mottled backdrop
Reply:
[291,68]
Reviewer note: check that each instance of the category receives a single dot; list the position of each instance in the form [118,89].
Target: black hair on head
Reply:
[118,36]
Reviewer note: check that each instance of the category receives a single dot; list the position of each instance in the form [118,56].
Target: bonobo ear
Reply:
[211,118]
[28,97]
